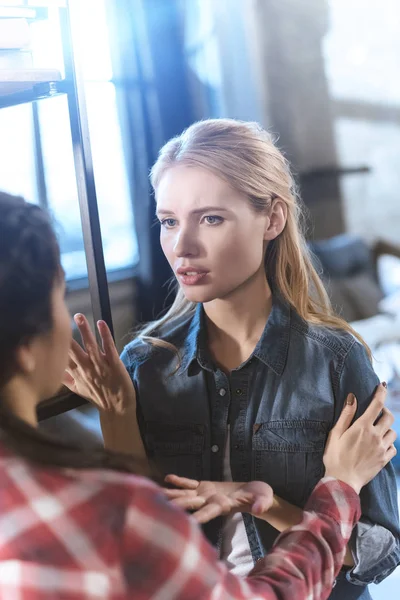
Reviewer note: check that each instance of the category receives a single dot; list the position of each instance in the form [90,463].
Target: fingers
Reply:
[173,494]
[261,505]
[88,338]
[346,416]
[377,403]
[255,497]
[391,453]
[189,503]
[216,505]
[69,381]
[385,422]
[77,354]
[389,438]
[207,513]
[182,482]
[109,348]
[72,366]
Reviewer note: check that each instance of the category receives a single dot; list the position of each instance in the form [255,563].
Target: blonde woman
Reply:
[249,370]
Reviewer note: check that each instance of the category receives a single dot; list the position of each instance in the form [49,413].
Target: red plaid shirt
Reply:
[74,535]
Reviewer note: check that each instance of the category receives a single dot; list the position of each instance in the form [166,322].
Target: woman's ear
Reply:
[277,219]
[25,359]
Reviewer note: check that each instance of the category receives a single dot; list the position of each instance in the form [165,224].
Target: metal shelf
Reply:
[38,91]
[334,172]
[24,11]
[61,403]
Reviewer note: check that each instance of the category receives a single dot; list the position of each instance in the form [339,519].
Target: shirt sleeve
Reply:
[375,543]
[165,555]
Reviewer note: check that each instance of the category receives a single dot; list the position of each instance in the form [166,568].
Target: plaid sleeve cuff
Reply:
[336,499]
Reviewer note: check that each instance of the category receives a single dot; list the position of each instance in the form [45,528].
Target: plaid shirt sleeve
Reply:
[165,554]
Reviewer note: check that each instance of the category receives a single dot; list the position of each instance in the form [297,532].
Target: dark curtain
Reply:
[154,103]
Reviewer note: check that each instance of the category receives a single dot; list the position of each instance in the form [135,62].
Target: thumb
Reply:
[260,505]
[347,415]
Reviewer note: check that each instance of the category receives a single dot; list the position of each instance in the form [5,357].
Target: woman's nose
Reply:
[185,244]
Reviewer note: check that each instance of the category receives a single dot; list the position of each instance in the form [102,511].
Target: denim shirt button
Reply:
[238,391]
[214,448]
[222,392]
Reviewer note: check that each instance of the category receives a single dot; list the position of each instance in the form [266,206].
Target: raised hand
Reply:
[209,499]
[356,453]
[97,374]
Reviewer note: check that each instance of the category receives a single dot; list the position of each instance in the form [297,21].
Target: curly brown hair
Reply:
[29,268]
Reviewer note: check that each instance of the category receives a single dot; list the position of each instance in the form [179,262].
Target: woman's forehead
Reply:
[193,187]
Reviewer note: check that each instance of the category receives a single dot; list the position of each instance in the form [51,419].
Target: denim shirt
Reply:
[280,404]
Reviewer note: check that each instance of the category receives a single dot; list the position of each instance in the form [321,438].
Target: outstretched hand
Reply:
[97,373]
[209,499]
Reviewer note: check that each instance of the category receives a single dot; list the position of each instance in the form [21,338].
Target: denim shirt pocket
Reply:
[176,448]
[287,454]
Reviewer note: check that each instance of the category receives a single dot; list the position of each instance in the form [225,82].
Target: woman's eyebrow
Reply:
[195,211]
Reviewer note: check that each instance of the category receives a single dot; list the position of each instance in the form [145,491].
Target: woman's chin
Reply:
[198,295]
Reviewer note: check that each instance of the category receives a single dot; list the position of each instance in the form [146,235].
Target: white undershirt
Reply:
[235,548]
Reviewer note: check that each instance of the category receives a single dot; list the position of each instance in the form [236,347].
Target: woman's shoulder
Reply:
[74,486]
[126,497]
[108,478]
[103,487]
[337,340]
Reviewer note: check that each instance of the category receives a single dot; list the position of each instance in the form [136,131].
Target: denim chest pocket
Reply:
[176,447]
[287,454]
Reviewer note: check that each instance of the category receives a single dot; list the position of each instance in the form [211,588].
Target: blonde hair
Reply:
[244,155]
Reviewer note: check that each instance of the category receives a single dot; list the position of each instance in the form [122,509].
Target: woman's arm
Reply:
[376,543]
[344,440]
[121,432]
[283,515]
[164,552]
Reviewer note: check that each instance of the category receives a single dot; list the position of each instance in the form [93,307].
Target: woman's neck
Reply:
[235,323]
[19,399]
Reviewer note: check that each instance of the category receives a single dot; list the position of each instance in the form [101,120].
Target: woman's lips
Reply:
[191,277]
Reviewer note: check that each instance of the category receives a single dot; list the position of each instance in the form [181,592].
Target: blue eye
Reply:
[213,220]
[168,223]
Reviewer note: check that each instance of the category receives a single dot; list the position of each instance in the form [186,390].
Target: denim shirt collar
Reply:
[271,349]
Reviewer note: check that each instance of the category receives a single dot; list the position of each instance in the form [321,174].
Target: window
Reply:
[362,57]
[203,56]
[220,60]
[19,175]
[362,51]
[17,160]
